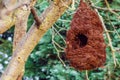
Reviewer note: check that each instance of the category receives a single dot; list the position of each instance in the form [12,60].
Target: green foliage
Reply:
[44,62]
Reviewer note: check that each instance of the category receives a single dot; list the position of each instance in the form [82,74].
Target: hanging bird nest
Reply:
[85,44]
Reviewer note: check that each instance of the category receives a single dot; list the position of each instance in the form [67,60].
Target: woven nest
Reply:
[85,44]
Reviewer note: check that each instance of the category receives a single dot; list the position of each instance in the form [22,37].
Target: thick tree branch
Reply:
[31,39]
[7,18]
[20,24]
[20,29]
[6,21]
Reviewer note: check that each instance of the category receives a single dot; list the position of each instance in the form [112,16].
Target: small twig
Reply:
[110,44]
[73,4]
[86,74]
[108,6]
[117,50]
[98,1]
[58,52]
[109,39]
[113,27]
[105,9]
[66,5]
[59,35]
[58,45]
[36,17]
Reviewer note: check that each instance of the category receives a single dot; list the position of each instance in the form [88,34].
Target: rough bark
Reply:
[6,20]
[30,40]
[20,29]
[20,24]
[7,10]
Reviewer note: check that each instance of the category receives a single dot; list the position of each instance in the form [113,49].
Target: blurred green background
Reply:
[44,63]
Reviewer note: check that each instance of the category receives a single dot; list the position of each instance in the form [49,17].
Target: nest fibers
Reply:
[85,44]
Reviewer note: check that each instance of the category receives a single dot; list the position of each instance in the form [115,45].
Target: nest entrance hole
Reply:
[82,40]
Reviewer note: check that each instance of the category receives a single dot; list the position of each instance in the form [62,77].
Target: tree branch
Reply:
[20,29]
[7,19]
[20,24]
